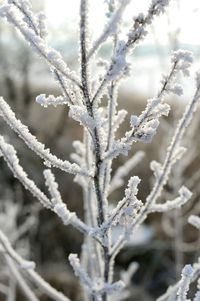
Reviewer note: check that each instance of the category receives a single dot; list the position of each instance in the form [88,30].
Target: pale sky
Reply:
[184,15]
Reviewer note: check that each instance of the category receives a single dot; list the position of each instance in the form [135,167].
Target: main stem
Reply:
[97,148]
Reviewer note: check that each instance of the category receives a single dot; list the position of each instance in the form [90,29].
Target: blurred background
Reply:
[165,242]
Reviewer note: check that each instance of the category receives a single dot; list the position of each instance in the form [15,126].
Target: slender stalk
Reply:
[97,148]
[20,280]
[84,79]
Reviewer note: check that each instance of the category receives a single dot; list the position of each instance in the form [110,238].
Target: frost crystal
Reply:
[42,25]
[184,59]
[50,100]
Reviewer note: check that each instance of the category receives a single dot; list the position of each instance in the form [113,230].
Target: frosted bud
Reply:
[187,270]
[139,18]
[156,168]
[177,89]
[154,123]
[132,186]
[194,221]
[184,60]
[178,153]
[184,55]
[185,193]
[134,120]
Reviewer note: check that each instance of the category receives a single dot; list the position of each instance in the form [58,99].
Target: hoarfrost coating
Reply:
[94,155]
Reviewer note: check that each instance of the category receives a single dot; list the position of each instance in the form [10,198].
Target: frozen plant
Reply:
[190,274]
[83,92]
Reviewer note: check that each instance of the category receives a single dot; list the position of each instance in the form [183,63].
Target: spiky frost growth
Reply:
[26,24]
[174,152]
[125,211]
[144,126]
[50,100]
[32,142]
[184,283]
[59,207]
[9,154]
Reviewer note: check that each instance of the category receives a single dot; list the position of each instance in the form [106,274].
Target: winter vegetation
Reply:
[91,97]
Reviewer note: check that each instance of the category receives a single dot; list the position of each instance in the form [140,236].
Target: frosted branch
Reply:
[9,155]
[172,152]
[125,209]
[32,142]
[171,292]
[81,115]
[51,100]
[110,28]
[52,56]
[69,91]
[79,272]
[20,280]
[60,208]
[38,25]
[56,204]
[118,119]
[144,126]
[118,64]
[185,195]
[36,278]
[25,7]
[95,288]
